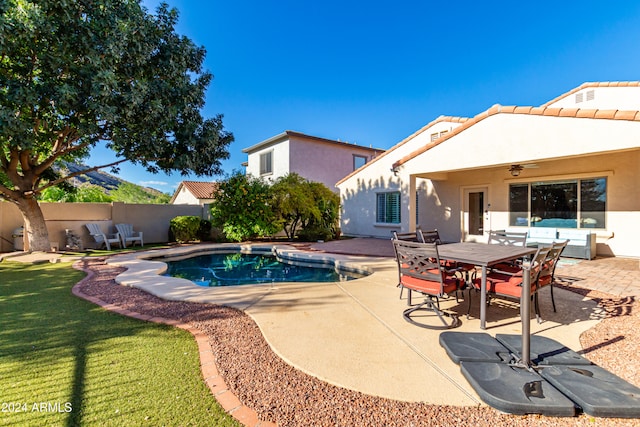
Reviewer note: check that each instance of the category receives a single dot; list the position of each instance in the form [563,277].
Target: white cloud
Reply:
[151,183]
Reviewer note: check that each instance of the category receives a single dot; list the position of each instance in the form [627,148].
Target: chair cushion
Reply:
[504,284]
[507,268]
[546,273]
[429,286]
[544,281]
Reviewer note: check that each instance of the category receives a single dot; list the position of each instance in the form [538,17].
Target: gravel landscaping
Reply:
[282,394]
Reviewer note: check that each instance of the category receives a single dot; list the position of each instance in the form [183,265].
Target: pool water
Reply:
[231,269]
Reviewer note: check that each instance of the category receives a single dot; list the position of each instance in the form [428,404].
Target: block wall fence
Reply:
[152,220]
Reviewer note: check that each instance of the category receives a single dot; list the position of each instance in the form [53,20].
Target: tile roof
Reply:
[200,189]
[532,111]
[592,84]
[447,119]
[289,133]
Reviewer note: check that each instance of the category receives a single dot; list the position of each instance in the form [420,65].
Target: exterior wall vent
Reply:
[591,94]
[579,97]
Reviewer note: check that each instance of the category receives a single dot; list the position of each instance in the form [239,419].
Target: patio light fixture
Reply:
[515,170]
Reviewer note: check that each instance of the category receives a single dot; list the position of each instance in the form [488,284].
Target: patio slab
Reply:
[352,334]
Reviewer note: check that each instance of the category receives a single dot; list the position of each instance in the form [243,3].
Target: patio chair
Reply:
[510,238]
[415,236]
[128,235]
[502,284]
[430,236]
[547,274]
[410,236]
[507,238]
[102,238]
[421,271]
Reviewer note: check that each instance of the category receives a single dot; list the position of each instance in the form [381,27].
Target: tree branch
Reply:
[7,194]
[48,162]
[59,180]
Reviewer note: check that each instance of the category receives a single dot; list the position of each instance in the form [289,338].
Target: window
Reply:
[358,161]
[388,210]
[266,163]
[519,204]
[593,199]
[579,203]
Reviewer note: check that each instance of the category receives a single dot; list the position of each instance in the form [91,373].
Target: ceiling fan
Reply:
[516,169]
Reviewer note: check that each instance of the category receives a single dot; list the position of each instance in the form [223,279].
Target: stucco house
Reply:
[194,193]
[571,165]
[316,159]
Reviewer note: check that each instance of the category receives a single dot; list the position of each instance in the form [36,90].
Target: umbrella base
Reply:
[558,383]
[516,390]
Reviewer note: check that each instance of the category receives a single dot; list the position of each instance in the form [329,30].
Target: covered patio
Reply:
[524,170]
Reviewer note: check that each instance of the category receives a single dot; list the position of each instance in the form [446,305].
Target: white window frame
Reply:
[389,201]
[266,168]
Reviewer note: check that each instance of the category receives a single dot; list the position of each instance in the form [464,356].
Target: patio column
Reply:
[412,208]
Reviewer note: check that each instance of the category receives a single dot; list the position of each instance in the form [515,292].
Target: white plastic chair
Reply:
[128,235]
[102,238]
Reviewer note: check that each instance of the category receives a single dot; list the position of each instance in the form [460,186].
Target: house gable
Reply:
[600,96]
[566,113]
[194,193]
[314,158]
[434,130]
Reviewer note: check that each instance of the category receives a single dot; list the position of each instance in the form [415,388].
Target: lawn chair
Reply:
[549,268]
[102,238]
[421,271]
[502,284]
[128,235]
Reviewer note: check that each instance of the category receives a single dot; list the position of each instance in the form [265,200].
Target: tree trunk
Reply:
[34,224]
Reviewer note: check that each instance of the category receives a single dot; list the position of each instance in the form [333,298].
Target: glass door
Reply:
[476,214]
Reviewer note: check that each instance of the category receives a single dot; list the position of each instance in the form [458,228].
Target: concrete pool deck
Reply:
[352,333]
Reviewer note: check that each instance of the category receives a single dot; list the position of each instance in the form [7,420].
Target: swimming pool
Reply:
[233,269]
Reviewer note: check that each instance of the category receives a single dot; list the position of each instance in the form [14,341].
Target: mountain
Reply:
[106,181]
[99,178]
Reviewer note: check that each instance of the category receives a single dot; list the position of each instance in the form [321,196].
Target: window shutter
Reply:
[380,211]
[394,206]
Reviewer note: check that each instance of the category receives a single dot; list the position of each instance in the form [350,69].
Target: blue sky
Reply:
[374,72]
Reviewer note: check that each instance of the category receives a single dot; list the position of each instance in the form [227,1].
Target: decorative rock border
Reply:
[212,378]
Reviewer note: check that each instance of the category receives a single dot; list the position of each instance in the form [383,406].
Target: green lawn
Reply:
[67,362]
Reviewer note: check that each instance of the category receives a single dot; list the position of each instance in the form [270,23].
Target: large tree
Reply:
[301,204]
[78,73]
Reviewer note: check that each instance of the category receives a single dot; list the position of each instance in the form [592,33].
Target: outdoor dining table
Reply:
[482,255]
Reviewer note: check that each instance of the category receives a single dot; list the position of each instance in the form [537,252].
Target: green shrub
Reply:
[307,210]
[315,233]
[242,208]
[185,228]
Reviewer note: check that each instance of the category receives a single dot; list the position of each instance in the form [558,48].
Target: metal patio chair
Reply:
[411,236]
[548,271]
[503,284]
[421,270]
